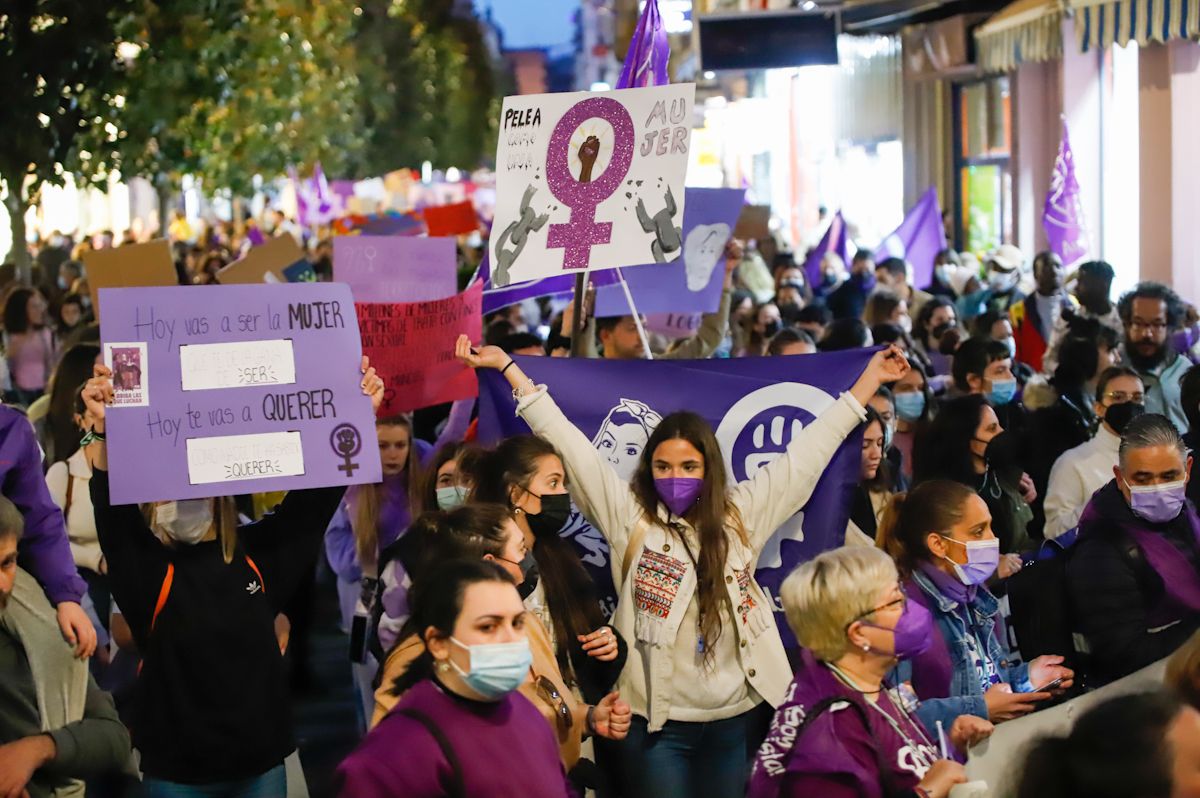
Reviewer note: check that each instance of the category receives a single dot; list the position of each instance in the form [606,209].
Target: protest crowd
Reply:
[831,528]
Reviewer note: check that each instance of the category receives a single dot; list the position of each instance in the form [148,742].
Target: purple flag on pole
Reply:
[755,405]
[918,239]
[649,51]
[1063,215]
[834,241]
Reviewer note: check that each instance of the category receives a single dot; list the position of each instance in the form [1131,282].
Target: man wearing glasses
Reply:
[1080,472]
[1151,312]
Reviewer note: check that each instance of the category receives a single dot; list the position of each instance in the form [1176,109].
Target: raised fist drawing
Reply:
[588,152]
[770,438]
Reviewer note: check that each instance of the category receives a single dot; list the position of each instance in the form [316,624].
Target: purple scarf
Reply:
[949,586]
[1181,582]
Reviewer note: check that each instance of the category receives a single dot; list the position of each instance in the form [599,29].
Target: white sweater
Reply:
[1076,475]
[80,518]
[663,678]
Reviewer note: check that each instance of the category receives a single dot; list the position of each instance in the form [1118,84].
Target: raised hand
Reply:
[372,384]
[486,357]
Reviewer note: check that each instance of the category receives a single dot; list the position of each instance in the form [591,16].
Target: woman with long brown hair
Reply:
[706,662]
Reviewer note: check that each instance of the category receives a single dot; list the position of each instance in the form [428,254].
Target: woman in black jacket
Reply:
[201,594]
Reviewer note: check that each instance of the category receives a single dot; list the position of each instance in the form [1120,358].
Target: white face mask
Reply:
[186,521]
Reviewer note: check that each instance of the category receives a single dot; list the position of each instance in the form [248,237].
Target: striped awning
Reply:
[1100,23]
[1024,31]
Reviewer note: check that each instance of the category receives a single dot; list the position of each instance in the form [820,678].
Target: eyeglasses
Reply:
[549,693]
[901,602]
[1120,397]
[1151,326]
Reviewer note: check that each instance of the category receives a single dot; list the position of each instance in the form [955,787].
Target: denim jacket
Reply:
[944,677]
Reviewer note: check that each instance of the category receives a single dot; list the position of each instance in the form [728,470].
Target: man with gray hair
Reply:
[1133,577]
[56,725]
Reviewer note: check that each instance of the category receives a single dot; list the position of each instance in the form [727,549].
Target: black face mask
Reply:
[529,575]
[556,509]
[1001,453]
[1119,416]
[772,327]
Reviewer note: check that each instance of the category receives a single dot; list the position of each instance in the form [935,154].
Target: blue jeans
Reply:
[272,784]
[693,760]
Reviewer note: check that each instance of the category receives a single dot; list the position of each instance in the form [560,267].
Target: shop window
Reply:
[983,168]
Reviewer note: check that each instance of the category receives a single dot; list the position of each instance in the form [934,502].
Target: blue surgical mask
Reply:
[1002,392]
[910,406]
[452,497]
[497,669]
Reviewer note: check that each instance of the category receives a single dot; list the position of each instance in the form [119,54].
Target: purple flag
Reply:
[1063,216]
[560,285]
[755,405]
[693,281]
[649,51]
[918,239]
[834,241]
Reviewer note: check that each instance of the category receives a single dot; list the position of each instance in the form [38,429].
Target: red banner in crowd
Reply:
[411,344]
[451,220]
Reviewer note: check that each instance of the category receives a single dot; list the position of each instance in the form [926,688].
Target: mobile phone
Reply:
[1050,685]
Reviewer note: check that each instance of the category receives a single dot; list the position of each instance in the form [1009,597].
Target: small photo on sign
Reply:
[131,376]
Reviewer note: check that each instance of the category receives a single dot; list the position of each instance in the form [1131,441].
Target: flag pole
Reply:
[637,317]
[579,322]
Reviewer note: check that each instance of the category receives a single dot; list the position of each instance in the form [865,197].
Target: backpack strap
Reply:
[457,786]
[636,539]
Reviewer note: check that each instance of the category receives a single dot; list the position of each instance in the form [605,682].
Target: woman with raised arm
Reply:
[210,711]
[706,663]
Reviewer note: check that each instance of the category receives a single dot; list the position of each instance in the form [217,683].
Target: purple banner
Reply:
[235,389]
[496,298]
[692,282]
[396,268]
[755,405]
[648,54]
[1063,214]
[918,239]
[833,241]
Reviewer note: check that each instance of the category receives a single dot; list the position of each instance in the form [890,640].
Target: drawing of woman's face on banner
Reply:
[623,435]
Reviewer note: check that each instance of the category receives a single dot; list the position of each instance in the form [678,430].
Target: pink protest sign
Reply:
[396,268]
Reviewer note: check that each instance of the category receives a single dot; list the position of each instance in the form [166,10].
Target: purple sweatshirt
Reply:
[45,550]
[505,748]
[836,756]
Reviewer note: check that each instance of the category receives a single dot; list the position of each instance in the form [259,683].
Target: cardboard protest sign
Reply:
[590,180]
[148,264]
[673,325]
[272,258]
[412,347]
[694,281]
[754,223]
[451,220]
[396,268]
[235,389]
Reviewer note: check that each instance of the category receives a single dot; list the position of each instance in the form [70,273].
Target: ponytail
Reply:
[932,506]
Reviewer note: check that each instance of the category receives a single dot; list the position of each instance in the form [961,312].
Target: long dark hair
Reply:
[1116,749]
[943,450]
[71,374]
[932,506]
[455,450]
[921,329]
[711,515]
[16,312]
[436,600]
[571,595]
[884,479]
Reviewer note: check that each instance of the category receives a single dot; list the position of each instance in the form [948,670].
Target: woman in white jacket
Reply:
[706,662]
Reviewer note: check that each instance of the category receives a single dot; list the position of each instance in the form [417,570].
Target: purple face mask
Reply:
[679,493]
[983,557]
[911,633]
[1157,504]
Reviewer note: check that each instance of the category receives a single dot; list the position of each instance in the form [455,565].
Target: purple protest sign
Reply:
[755,406]
[236,389]
[396,268]
[693,282]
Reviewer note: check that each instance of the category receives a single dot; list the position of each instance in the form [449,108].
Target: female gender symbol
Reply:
[582,232]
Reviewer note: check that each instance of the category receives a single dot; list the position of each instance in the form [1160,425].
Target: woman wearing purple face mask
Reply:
[706,662]
[841,733]
[940,534]
[1133,578]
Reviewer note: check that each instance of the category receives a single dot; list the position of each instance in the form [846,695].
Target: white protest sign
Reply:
[590,180]
[229,458]
[237,364]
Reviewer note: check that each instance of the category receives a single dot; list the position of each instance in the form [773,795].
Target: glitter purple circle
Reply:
[562,183]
